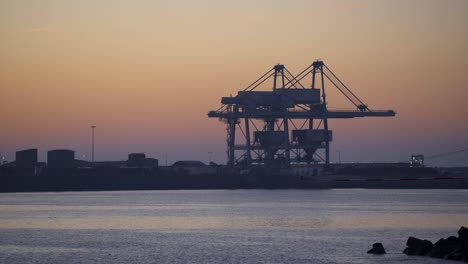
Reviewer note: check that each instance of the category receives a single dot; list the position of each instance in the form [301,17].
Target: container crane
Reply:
[278,141]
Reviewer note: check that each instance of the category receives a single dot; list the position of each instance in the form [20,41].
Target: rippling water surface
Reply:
[224,226]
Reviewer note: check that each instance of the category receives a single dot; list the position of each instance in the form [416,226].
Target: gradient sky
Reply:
[146,72]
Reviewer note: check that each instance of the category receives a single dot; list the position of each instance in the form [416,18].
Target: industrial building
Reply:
[417,160]
[193,167]
[289,123]
[135,160]
[61,159]
[26,158]
[140,160]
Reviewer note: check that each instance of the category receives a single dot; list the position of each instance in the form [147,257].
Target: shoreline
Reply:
[71,183]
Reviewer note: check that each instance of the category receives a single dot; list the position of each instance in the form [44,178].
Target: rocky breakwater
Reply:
[453,248]
[377,249]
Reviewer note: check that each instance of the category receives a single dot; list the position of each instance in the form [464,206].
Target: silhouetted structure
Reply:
[116,175]
[108,164]
[417,160]
[136,159]
[151,162]
[26,158]
[61,159]
[26,162]
[140,160]
[193,167]
[271,114]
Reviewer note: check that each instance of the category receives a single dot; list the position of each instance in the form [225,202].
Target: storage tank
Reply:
[61,159]
[136,159]
[26,158]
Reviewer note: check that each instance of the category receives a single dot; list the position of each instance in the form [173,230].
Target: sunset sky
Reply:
[147,72]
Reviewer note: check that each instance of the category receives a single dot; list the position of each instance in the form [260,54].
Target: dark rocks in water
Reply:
[377,249]
[443,247]
[418,247]
[465,249]
[455,255]
[452,248]
[463,233]
[437,250]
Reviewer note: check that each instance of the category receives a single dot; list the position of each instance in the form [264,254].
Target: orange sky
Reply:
[147,72]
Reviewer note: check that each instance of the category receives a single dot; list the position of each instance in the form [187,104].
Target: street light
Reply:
[92,143]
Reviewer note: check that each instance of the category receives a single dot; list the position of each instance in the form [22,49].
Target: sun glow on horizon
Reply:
[147,72]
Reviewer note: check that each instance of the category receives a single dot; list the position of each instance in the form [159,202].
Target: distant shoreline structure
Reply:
[275,153]
[187,175]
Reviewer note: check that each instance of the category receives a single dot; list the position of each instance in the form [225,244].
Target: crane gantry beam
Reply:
[340,114]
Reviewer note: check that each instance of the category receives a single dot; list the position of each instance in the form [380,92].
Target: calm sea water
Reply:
[224,226]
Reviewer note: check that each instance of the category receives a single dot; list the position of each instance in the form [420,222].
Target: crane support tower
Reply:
[288,124]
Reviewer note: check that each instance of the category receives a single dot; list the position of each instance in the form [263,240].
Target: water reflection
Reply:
[254,226]
[186,210]
[15,249]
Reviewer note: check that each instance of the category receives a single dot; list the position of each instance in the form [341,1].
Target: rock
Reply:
[439,249]
[409,251]
[454,241]
[452,248]
[413,242]
[418,247]
[465,250]
[377,249]
[445,246]
[457,254]
[463,233]
[425,248]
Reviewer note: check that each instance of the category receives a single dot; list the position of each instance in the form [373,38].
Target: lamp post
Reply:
[339,156]
[92,143]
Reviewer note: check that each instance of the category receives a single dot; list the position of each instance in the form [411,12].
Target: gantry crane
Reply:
[271,114]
